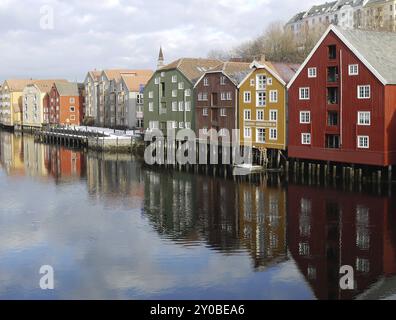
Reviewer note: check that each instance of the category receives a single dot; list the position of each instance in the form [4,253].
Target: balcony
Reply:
[332,95]
[332,74]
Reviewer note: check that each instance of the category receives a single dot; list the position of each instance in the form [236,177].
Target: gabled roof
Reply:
[320,9]
[134,83]
[95,75]
[17,84]
[67,89]
[192,68]
[375,49]
[235,71]
[45,85]
[298,17]
[115,74]
[283,72]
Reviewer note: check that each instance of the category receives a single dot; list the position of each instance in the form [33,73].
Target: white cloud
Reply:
[118,33]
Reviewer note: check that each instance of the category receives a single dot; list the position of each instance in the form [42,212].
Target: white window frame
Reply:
[174,79]
[257,115]
[271,135]
[181,106]
[303,113]
[181,86]
[223,112]
[206,82]
[223,80]
[187,92]
[273,96]
[364,87]
[271,112]
[261,84]
[245,130]
[187,106]
[257,135]
[362,146]
[181,125]
[151,94]
[353,69]
[229,96]
[305,137]
[304,93]
[205,112]
[247,94]
[174,93]
[151,106]
[258,93]
[312,72]
[269,81]
[156,80]
[361,116]
[245,112]
[174,105]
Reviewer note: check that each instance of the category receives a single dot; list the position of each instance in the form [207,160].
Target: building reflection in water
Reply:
[331,228]
[227,216]
[20,155]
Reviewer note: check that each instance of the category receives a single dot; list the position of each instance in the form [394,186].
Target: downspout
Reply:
[341,122]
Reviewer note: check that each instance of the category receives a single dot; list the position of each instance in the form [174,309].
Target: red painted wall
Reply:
[382,101]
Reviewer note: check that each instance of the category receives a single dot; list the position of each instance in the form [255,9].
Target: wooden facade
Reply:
[329,119]
[216,98]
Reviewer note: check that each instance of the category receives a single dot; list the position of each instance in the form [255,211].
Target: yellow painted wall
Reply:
[17,99]
[250,85]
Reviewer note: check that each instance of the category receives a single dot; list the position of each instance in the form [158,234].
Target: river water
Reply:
[112,228]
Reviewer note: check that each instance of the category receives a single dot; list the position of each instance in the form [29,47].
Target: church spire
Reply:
[160,59]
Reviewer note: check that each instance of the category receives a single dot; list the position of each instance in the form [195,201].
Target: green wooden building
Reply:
[169,94]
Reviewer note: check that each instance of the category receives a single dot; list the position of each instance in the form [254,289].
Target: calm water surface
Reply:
[114,229]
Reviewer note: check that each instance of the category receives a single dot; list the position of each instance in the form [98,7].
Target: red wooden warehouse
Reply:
[342,101]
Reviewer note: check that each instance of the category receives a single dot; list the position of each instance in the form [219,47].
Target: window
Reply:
[139,98]
[332,118]
[181,125]
[174,79]
[260,115]
[261,82]
[151,94]
[205,112]
[223,112]
[174,93]
[188,92]
[188,125]
[222,132]
[269,81]
[72,109]
[252,82]
[353,69]
[273,115]
[332,50]
[312,72]
[247,132]
[162,74]
[206,82]
[72,100]
[363,142]
[72,117]
[247,97]
[261,99]
[181,105]
[156,80]
[305,138]
[273,134]
[305,117]
[260,135]
[151,106]
[364,118]
[304,93]
[332,141]
[223,96]
[174,105]
[181,85]
[247,115]
[222,80]
[363,92]
[229,96]
[188,106]
[274,96]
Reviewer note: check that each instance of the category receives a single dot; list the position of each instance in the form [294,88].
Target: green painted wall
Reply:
[166,101]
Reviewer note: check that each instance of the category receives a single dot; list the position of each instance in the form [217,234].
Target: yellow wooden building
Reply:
[262,114]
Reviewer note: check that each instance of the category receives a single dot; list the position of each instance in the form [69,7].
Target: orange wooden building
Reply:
[66,103]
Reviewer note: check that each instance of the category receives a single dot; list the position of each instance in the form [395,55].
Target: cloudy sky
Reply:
[82,35]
